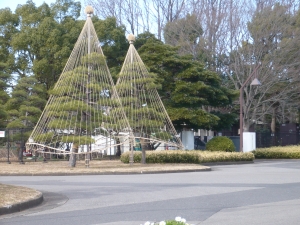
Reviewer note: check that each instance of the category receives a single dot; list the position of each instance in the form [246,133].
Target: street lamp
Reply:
[255,82]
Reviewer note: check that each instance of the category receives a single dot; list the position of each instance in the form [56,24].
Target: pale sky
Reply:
[12,4]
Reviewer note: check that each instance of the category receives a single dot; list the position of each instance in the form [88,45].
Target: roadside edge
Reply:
[22,205]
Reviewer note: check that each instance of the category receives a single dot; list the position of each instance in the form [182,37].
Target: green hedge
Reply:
[220,143]
[188,156]
[286,152]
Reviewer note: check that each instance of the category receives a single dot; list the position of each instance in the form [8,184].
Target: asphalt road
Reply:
[266,192]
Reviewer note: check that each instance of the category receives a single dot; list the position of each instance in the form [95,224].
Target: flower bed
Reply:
[178,221]
[188,156]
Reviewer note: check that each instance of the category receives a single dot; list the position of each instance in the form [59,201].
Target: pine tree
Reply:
[144,109]
[79,112]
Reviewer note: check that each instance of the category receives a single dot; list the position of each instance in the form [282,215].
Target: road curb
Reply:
[112,172]
[22,205]
[226,163]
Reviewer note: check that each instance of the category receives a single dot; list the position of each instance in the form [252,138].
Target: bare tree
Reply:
[132,13]
[158,17]
[172,9]
[271,45]
[108,8]
[237,36]
[145,15]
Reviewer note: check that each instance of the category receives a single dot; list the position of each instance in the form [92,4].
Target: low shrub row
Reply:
[188,156]
[280,152]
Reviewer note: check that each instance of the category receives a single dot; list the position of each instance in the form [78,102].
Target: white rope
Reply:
[84,108]
[144,109]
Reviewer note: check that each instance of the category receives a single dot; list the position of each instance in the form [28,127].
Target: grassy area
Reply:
[15,194]
[96,167]
[279,152]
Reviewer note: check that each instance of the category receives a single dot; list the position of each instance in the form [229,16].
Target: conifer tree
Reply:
[144,109]
[79,112]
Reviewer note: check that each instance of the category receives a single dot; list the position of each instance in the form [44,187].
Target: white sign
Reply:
[2,133]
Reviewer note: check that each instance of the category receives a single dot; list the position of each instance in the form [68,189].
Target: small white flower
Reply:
[147,223]
[183,220]
[178,219]
[162,223]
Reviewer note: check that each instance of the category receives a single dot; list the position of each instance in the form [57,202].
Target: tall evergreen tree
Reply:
[8,23]
[26,103]
[187,87]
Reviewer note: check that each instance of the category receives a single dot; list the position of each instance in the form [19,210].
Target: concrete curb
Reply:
[111,172]
[226,163]
[22,205]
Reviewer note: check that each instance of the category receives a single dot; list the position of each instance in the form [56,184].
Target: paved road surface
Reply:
[266,192]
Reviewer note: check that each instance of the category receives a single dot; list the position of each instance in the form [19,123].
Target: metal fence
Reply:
[263,139]
[12,143]
[12,148]
[268,139]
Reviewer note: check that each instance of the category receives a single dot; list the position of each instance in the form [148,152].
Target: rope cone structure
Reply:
[147,116]
[83,113]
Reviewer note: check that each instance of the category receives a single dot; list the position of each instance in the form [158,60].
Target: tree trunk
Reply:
[246,125]
[145,146]
[72,159]
[143,156]
[273,121]
[118,153]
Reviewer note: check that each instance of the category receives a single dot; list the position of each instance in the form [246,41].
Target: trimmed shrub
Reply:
[286,152]
[220,143]
[188,156]
[176,156]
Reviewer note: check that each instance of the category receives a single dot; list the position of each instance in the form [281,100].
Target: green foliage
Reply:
[190,156]
[220,143]
[39,39]
[225,120]
[3,116]
[137,90]
[184,32]
[162,135]
[174,222]
[63,9]
[15,124]
[93,58]
[26,103]
[46,137]
[194,118]
[286,152]
[114,43]
[187,86]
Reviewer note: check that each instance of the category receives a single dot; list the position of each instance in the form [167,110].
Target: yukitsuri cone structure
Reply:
[84,113]
[147,116]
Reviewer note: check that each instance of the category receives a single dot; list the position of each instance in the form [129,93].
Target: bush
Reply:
[220,143]
[286,152]
[188,156]
[171,156]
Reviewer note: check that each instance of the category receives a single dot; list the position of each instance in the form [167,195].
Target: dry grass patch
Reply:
[96,166]
[15,194]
